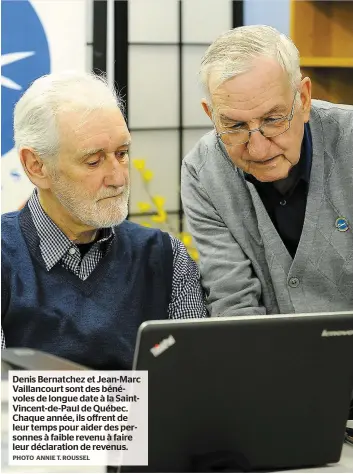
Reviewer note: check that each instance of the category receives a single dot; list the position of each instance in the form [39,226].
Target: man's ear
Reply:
[34,168]
[206,108]
[305,97]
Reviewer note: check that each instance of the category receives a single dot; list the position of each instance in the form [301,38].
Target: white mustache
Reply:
[118,192]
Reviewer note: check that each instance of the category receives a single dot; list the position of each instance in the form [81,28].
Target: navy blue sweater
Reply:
[92,322]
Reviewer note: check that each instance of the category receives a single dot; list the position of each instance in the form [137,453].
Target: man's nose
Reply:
[258,146]
[116,172]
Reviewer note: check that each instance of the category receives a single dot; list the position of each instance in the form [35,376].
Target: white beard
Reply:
[93,211]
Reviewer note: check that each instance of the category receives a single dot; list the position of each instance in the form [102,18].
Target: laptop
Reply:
[246,394]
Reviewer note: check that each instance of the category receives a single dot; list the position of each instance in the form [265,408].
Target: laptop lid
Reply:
[246,393]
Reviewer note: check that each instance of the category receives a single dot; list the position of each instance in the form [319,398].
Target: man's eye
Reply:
[122,154]
[273,119]
[95,161]
[232,126]
[237,126]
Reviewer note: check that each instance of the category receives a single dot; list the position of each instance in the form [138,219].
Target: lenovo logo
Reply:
[326,333]
[162,346]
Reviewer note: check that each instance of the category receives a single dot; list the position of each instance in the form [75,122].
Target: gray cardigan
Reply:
[245,267]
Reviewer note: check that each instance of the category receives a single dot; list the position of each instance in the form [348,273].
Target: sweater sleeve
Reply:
[4,298]
[5,287]
[231,287]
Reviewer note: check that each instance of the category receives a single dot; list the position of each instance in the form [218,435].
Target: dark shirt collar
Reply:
[306,154]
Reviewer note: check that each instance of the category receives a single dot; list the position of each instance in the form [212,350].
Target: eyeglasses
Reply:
[270,128]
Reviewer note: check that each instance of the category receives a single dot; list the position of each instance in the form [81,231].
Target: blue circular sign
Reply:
[342,224]
[24,58]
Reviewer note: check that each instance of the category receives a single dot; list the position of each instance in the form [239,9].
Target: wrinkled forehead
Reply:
[264,86]
[101,129]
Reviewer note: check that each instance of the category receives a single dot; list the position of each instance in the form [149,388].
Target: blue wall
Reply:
[275,13]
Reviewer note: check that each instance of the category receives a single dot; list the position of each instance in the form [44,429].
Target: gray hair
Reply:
[35,114]
[233,53]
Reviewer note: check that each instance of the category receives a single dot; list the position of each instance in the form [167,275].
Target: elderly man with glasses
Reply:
[268,194]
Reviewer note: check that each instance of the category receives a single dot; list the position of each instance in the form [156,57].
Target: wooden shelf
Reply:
[323,34]
[326,62]
[331,85]
[322,28]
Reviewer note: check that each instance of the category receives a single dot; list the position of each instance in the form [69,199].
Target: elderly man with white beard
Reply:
[78,278]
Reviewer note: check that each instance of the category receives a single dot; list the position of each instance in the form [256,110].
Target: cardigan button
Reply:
[293,282]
